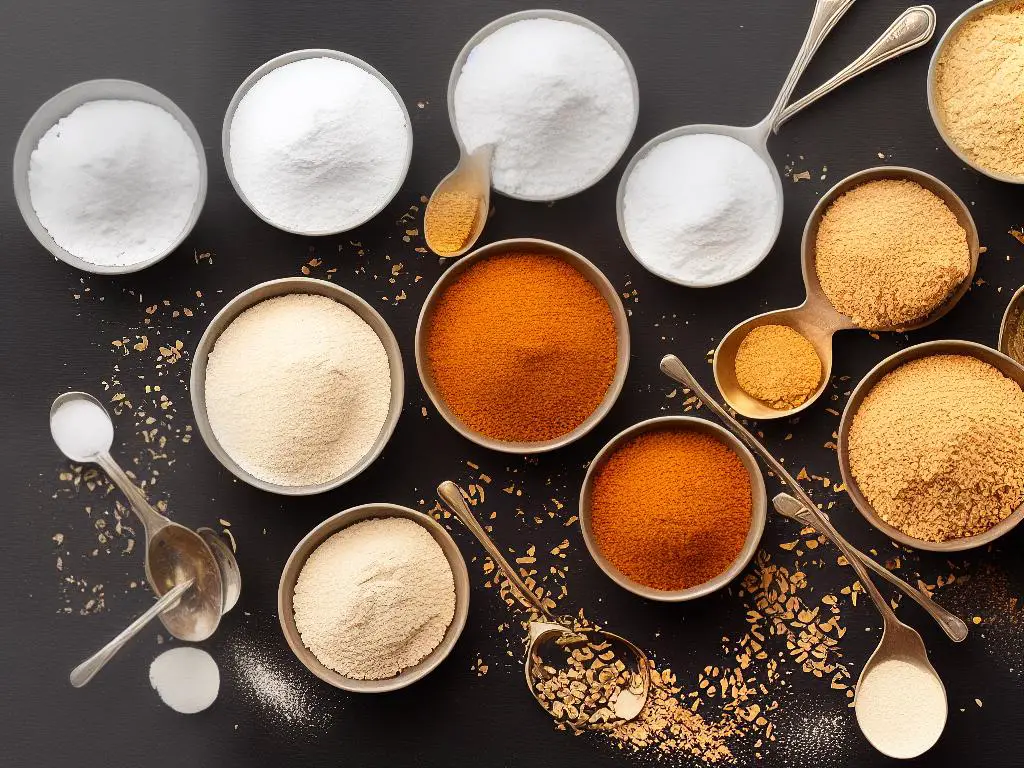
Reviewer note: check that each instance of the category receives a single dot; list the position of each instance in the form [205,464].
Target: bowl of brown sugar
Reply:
[523,346]
[673,508]
[930,446]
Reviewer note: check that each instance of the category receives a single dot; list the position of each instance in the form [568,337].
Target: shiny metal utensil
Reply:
[673,367]
[174,553]
[899,642]
[1011,330]
[555,636]
[473,177]
[911,29]
[230,573]
[952,625]
[87,670]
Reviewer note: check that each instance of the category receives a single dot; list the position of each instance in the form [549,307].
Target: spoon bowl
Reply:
[472,176]
[1011,330]
[230,574]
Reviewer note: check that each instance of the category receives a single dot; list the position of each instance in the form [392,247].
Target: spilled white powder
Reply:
[556,100]
[81,429]
[375,598]
[700,209]
[319,145]
[901,708]
[186,679]
[115,181]
[298,388]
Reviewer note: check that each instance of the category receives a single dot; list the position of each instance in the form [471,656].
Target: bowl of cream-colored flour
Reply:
[297,385]
[110,176]
[316,142]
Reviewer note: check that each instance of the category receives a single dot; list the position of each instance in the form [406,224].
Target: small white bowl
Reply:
[290,58]
[62,105]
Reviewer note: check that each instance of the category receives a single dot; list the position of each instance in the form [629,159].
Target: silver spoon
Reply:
[673,367]
[230,573]
[951,624]
[899,641]
[827,14]
[473,177]
[87,670]
[1011,330]
[174,553]
[554,635]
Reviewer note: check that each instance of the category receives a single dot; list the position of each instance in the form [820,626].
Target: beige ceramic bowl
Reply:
[584,267]
[251,298]
[316,537]
[999,361]
[759,510]
[933,100]
[816,319]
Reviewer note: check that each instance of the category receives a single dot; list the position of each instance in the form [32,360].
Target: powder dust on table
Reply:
[979,85]
[889,252]
[298,388]
[522,347]
[936,447]
[375,598]
[671,508]
[778,366]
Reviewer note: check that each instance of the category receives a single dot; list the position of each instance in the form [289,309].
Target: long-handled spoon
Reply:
[174,553]
[470,179]
[899,641]
[951,624]
[673,367]
[554,635]
[87,670]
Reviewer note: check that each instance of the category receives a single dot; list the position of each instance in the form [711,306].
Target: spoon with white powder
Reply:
[84,432]
[701,205]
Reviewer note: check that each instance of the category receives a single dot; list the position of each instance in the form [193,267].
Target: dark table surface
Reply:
[71,586]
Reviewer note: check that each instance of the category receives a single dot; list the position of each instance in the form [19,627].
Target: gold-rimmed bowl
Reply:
[997,360]
[284,287]
[320,534]
[590,273]
[816,319]
[758,495]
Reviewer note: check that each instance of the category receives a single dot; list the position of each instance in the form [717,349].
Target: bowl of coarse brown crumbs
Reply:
[930,446]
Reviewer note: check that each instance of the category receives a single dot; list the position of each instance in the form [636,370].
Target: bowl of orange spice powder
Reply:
[673,508]
[523,346]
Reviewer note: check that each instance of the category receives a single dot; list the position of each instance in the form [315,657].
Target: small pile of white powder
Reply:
[901,708]
[375,598]
[81,429]
[186,679]
[115,182]
[700,209]
[554,98]
[319,145]
[298,388]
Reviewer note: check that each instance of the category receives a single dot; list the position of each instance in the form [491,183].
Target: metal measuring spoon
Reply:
[87,670]
[911,30]
[473,176]
[174,553]
[1011,330]
[552,637]
[673,367]
[951,624]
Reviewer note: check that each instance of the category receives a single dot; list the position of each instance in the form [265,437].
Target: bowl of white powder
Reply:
[297,385]
[316,142]
[374,598]
[110,176]
[554,93]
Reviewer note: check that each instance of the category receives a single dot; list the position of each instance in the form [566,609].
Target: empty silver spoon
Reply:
[472,176]
[552,638]
[84,432]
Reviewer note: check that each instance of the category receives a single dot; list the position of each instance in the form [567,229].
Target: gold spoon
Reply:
[555,636]
[472,177]
[952,625]
[1011,330]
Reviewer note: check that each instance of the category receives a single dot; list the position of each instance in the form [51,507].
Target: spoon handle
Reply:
[451,495]
[87,670]
[151,520]
[673,367]
[827,14]
[912,29]
[951,624]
